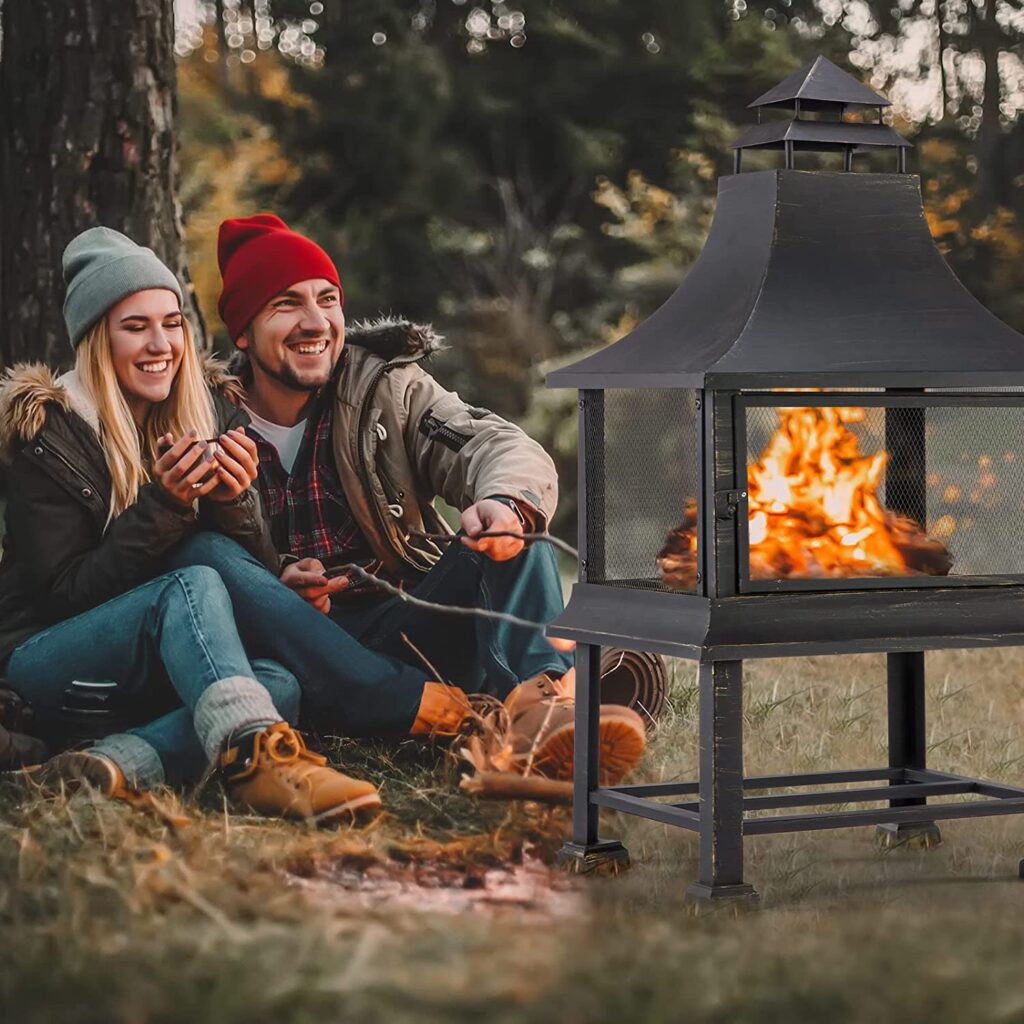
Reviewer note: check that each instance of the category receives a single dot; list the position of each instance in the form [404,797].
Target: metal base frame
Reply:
[723,806]
[643,801]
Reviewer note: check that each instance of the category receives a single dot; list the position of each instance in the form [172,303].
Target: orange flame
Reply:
[814,510]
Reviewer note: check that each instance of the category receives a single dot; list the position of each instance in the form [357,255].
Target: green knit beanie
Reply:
[101,267]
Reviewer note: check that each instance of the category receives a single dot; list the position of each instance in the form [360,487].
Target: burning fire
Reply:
[814,511]
[814,507]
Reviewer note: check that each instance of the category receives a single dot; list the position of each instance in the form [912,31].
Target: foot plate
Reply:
[583,858]
[704,895]
[923,833]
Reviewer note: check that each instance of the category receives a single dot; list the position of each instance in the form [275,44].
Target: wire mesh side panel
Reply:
[642,488]
[975,488]
[896,491]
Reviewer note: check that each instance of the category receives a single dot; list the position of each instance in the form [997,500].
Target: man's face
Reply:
[297,337]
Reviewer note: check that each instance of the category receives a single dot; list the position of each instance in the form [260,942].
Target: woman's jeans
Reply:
[358,676]
[167,643]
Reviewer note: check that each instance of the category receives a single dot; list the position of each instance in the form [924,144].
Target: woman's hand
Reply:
[238,465]
[183,471]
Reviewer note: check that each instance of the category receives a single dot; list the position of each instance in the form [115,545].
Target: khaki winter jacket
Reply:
[400,440]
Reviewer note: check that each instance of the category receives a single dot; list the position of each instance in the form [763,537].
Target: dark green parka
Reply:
[60,557]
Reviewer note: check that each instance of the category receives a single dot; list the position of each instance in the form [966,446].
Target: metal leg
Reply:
[585,851]
[907,741]
[720,875]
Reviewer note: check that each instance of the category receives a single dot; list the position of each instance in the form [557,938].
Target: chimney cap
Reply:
[820,85]
[821,136]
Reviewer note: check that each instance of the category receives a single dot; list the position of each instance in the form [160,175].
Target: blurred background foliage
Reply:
[535,177]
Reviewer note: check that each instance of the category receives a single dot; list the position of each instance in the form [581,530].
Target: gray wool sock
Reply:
[230,708]
[138,760]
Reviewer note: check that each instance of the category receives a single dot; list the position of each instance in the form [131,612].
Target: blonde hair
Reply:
[127,448]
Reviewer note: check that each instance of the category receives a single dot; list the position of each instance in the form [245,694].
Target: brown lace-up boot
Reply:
[274,773]
[542,731]
[69,770]
[532,731]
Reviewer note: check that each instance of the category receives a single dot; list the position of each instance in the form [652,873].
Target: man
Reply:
[355,441]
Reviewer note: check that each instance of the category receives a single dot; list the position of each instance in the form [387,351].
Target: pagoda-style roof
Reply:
[813,279]
[820,85]
[820,136]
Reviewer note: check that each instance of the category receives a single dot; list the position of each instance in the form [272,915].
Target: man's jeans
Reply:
[358,676]
[167,643]
[478,654]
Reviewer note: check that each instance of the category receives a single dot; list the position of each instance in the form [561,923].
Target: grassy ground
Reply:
[108,915]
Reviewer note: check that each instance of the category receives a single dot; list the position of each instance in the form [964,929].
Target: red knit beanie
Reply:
[260,256]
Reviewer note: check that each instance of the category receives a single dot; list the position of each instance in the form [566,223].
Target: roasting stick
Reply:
[448,538]
[368,577]
[451,609]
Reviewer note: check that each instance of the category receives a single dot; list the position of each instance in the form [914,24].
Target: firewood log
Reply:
[511,786]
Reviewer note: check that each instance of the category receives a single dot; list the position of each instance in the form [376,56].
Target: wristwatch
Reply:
[514,505]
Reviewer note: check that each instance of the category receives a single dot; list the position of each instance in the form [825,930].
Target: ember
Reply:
[677,560]
[814,509]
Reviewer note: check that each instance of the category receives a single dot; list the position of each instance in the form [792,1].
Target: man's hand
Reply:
[238,464]
[488,515]
[307,577]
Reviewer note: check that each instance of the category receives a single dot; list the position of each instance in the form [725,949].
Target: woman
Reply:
[109,468]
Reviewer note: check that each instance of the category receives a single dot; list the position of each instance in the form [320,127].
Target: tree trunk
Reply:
[87,102]
[989,133]
[943,83]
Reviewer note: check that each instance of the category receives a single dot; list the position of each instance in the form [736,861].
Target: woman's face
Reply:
[147,341]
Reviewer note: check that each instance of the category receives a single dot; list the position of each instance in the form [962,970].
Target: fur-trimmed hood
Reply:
[388,337]
[28,389]
[393,337]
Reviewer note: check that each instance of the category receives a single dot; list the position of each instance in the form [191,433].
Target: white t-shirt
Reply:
[286,440]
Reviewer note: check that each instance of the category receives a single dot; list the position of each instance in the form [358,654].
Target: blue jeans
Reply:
[478,654]
[358,677]
[168,645]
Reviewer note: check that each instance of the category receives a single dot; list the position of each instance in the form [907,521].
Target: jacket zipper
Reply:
[67,463]
[435,429]
[364,413]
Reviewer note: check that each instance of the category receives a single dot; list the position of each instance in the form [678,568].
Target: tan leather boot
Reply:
[69,770]
[542,731]
[444,711]
[532,731]
[274,773]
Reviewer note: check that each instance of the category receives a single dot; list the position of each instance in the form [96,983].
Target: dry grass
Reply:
[110,916]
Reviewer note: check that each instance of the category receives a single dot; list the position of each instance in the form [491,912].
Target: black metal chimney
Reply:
[813,278]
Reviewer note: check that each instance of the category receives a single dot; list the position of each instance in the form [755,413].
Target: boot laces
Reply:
[286,746]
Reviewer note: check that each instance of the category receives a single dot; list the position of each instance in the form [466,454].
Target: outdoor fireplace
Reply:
[815,446]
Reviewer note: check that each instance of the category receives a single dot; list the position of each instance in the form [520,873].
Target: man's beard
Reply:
[286,375]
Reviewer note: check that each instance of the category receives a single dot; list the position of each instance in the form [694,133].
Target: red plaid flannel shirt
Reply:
[309,515]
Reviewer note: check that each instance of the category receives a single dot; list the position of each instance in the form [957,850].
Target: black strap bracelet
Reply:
[512,504]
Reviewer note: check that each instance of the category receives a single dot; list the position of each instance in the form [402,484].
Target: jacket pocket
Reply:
[60,470]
